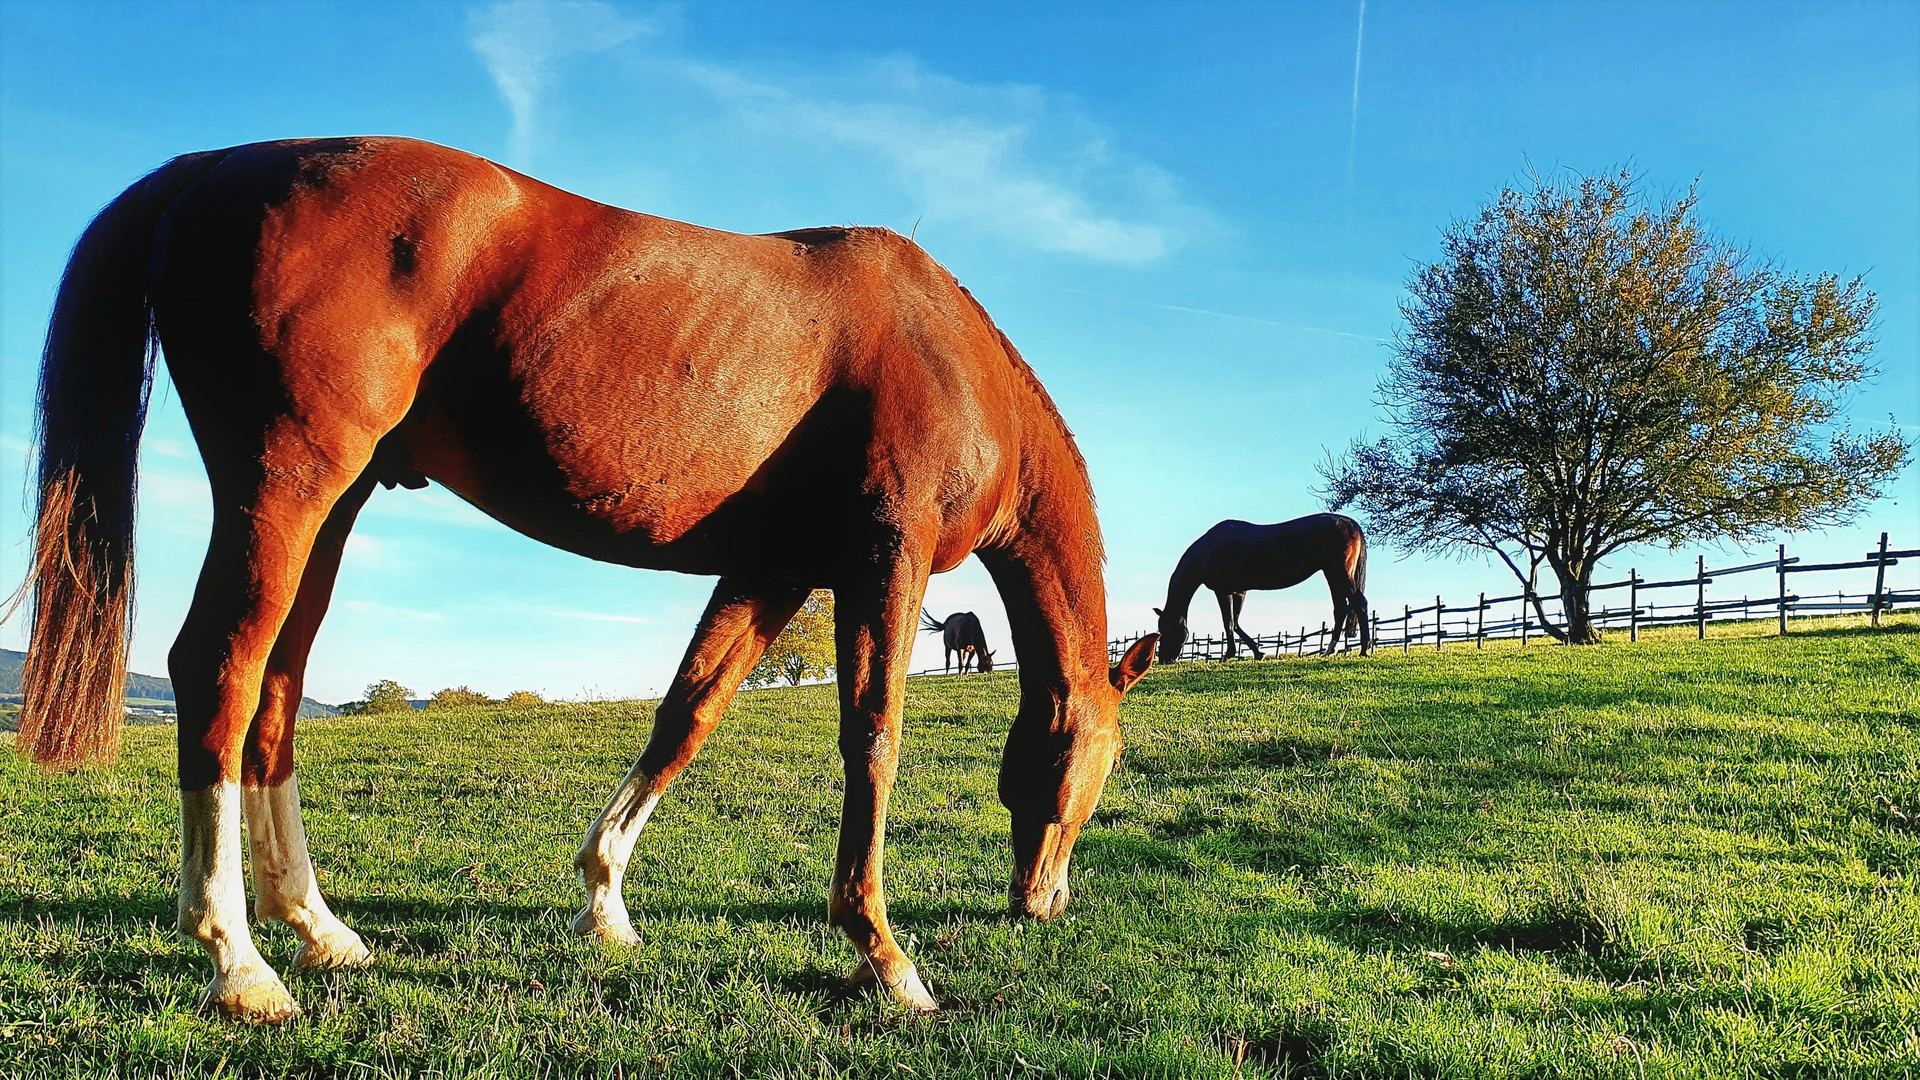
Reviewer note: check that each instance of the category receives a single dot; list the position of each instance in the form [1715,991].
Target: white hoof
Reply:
[256,996]
[336,947]
[912,993]
[613,931]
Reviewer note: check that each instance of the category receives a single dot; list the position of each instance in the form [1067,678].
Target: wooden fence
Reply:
[1475,621]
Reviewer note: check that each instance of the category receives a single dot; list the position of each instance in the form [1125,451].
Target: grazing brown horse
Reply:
[817,408]
[960,633]
[1236,556]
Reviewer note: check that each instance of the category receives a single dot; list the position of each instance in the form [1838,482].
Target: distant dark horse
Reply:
[1235,556]
[963,634]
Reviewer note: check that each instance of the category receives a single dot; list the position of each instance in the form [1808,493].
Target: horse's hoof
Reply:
[593,924]
[907,989]
[256,998]
[337,948]
[912,993]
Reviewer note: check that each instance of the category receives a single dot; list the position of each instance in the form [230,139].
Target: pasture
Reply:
[1674,858]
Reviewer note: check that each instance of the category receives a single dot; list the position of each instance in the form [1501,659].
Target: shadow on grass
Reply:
[1554,929]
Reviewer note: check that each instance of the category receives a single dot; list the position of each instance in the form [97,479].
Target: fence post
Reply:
[1700,597]
[1406,627]
[1439,624]
[1780,568]
[1376,627]
[1526,614]
[1320,643]
[1880,580]
[1480,625]
[1633,603]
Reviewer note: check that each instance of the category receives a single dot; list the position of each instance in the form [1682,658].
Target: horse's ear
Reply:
[1134,664]
[1158,614]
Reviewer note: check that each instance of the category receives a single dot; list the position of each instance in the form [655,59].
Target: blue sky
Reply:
[1194,219]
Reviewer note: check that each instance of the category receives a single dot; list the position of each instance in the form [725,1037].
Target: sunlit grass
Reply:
[1671,858]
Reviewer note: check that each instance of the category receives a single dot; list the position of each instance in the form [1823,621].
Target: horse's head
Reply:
[986,660]
[1173,635]
[1051,778]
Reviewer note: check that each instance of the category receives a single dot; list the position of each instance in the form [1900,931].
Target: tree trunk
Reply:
[1573,601]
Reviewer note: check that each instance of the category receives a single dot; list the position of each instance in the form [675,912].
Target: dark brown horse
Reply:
[961,633]
[1236,556]
[818,408]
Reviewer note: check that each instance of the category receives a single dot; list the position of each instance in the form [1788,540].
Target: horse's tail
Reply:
[1357,608]
[930,624]
[95,374]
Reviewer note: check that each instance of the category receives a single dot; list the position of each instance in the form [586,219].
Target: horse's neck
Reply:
[1182,585]
[1049,576]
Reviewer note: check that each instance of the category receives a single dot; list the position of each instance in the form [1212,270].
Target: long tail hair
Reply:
[929,624]
[95,375]
[1357,609]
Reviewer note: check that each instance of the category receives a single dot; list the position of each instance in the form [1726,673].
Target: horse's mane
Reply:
[1025,371]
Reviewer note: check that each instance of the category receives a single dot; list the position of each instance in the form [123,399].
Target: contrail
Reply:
[1353,123]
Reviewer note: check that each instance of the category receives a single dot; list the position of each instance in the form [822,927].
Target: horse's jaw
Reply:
[1041,852]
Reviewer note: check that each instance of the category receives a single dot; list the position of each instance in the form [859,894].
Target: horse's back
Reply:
[1237,556]
[629,387]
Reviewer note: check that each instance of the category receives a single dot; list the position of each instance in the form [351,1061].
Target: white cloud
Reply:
[1012,160]
[522,40]
[1015,161]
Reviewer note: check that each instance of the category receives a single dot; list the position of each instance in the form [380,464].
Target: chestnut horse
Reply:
[1236,556]
[822,408]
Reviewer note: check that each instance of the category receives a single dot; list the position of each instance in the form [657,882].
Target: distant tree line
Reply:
[388,696]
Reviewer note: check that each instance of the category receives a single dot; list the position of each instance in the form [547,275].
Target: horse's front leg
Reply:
[873,633]
[283,881]
[741,620]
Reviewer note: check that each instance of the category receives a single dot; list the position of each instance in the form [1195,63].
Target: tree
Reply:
[385,696]
[1583,370]
[804,650]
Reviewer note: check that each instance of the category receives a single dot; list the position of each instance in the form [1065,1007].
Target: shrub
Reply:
[456,697]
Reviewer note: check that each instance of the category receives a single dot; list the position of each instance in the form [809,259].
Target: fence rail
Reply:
[1468,622]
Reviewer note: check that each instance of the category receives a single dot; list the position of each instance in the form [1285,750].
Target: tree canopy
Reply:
[804,650]
[1584,369]
[385,696]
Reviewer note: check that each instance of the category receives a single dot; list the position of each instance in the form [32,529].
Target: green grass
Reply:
[1665,859]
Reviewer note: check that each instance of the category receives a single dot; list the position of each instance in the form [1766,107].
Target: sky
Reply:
[1195,220]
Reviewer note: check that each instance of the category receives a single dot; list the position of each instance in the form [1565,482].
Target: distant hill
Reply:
[142,688]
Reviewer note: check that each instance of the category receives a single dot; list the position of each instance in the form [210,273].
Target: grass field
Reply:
[1665,859]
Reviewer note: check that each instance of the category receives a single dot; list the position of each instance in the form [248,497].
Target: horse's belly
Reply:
[676,491]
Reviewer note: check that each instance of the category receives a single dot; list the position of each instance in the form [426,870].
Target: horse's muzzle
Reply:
[1041,853]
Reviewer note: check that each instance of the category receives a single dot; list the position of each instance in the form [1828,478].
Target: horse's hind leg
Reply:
[740,622]
[1240,601]
[1227,622]
[270,503]
[1342,605]
[284,887]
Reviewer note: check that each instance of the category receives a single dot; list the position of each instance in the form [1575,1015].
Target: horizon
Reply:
[1195,225]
